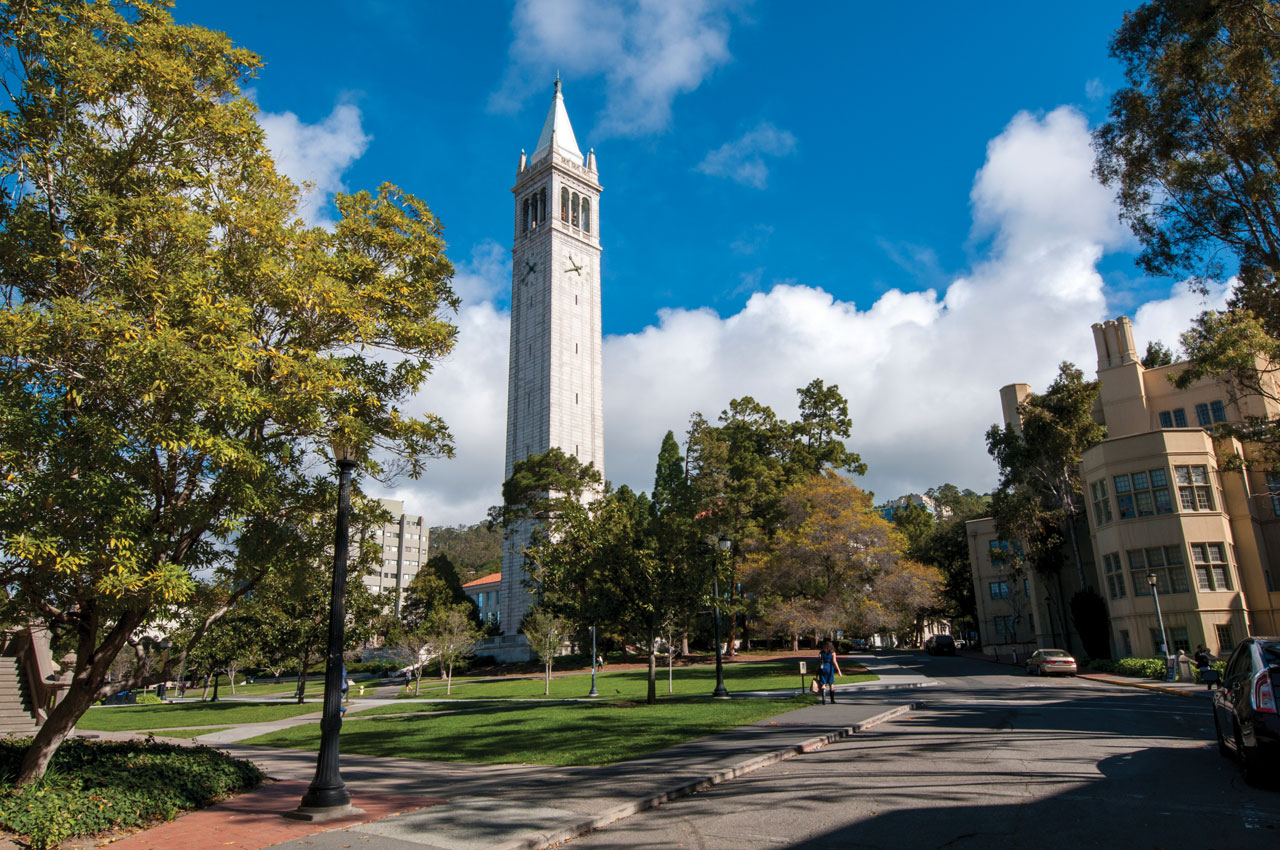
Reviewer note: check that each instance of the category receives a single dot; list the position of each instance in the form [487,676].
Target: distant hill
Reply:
[473,550]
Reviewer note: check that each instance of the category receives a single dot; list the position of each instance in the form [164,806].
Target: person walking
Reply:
[828,669]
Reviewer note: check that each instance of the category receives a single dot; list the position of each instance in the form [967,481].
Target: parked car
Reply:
[940,645]
[1047,662]
[1244,706]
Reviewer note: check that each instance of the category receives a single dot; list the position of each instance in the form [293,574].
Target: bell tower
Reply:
[554,395]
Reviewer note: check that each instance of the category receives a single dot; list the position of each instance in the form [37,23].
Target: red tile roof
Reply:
[491,578]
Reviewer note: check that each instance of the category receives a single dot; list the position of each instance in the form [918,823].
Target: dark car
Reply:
[940,645]
[1244,706]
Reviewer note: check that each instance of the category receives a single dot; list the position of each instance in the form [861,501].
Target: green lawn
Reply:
[631,684]
[420,708]
[582,733]
[188,714]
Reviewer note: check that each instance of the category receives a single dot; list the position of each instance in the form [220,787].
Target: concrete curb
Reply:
[543,840]
[1146,687]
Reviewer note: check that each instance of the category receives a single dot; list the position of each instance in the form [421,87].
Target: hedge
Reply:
[95,786]
[1143,668]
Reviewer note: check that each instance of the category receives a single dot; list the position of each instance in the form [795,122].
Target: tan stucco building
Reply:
[1167,495]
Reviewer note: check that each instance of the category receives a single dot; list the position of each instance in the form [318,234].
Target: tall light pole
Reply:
[1164,640]
[720,692]
[593,692]
[327,796]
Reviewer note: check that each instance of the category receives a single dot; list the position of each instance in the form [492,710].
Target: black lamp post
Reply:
[720,692]
[593,692]
[327,797]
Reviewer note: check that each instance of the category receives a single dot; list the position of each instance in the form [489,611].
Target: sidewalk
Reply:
[424,805]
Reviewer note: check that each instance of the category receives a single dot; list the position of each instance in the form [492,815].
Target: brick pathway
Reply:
[254,820]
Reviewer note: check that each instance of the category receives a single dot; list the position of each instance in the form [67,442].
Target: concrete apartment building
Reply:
[404,543]
[1167,496]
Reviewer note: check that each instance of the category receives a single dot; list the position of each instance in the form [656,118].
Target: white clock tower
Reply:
[554,395]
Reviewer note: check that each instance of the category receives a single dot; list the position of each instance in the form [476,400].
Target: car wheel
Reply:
[1248,760]
[1223,749]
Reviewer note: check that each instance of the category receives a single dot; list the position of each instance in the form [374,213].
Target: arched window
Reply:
[586,215]
[575,209]
[542,205]
[564,204]
[525,214]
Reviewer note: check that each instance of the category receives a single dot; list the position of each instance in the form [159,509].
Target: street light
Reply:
[327,796]
[593,692]
[1155,592]
[720,692]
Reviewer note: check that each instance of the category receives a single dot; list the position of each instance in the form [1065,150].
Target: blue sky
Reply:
[893,197]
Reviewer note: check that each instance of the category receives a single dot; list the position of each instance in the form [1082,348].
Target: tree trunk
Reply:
[728,643]
[231,674]
[795,643]
[204,694]
[417,682]
[546,682]
[448,682]
[54,731]
[684,642]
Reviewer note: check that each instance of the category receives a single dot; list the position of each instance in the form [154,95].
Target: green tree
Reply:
[1157,355]
[916,523]
[1191,141]
[1038,501]
[178,346]
[829,549]
[434,586]
[960,502]
[546,632]
[452,633]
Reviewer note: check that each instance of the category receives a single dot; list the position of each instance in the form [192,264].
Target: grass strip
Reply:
[577,734]
[184,715]
[632,684]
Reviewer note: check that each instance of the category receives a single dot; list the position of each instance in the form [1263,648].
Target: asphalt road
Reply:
[996,759]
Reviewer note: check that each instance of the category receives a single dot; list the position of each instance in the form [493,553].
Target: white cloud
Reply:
[485,275]
[921,370]
[1094,89]
[316,154]
[649,51]
[743,159]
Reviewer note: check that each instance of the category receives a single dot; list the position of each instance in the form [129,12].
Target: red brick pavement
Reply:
[254,820]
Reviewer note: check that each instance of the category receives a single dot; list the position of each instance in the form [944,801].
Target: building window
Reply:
[1166,419]
[1003,628]
[1273,487]
[1202,415]
[542,205]
[1000,550]
[1157,642]
[1218,411]
[586,215]
[496,595]
[1101,504]
[1166,562]
[1178,635]
[1143,494]
[574,207]
[564,204]
[1210,560]
[480,599]
[525,215]
[1115,575]
[999,589]
[1193,488]
[1226,642]
[1126,645]
[1180,418]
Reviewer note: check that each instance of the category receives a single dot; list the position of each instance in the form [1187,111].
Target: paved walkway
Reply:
[423,805]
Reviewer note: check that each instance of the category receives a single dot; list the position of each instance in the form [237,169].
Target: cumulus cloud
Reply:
[743,159]
[316,154]
[921,370]
[649,52]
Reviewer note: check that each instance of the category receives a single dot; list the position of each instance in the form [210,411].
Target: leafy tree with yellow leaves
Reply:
[178,347]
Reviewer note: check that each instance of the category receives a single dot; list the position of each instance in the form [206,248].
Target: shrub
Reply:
[1142,668]
[94,786]
[1102,665]
[1220,666]
[146,698]
[378,668]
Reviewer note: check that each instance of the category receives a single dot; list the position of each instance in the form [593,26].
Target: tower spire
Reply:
[557,132]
